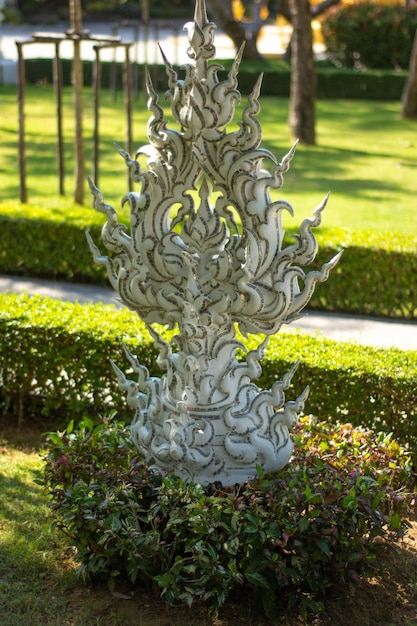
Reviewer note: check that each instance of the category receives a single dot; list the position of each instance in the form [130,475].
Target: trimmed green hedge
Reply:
[55,356]
[331,81]
[376,276]
[54,361]
[40,244]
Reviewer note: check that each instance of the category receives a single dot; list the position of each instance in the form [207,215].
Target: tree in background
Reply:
[303,74]
[256,14]
[77,84]
[241,30]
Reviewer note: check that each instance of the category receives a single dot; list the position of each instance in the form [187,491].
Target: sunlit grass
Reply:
[366,156]
[35,561]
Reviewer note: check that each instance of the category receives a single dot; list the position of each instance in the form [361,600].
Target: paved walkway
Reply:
[369,332]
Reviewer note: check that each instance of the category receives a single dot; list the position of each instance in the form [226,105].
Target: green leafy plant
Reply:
[370,35]
[69,346]
[284,537]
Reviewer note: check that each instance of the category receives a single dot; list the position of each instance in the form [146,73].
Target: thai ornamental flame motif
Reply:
[207,264]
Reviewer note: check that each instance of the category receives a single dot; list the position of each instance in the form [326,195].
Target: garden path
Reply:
[379,333]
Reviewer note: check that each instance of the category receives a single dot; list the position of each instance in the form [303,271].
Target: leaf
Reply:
[231,546]
[260,471]
[165,579]
[56,439]
[331,498]
[234,520]
[256,579]
[86,423]
[355,557]
[297,440]
[252,519]
[323,547]
[111,584]
[395,521]
[212,551]
[221,597]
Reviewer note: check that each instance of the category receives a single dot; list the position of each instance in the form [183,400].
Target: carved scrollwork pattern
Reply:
[205,256]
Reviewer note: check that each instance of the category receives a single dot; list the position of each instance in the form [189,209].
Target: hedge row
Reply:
[331,82]
[54,361]
[376,276]
[55,356]
[37,242]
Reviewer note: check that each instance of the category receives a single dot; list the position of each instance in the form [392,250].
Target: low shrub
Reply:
[370,34]
[374,278]
[378,260]
[332,82]
[63,367]
[64,351]
[41,11]
[285,538]
[53,246]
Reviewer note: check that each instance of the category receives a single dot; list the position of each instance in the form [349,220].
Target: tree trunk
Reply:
[77,82]
[303,74]
[237,31]
[409,97]
[77,69]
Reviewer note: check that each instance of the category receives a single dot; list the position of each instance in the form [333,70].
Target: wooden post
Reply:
[127,84]
[409,96]
[113,69]
[303,74]
[21,107]
[58,99]
[135,79]
[96,105]
[145,20]
[77,81]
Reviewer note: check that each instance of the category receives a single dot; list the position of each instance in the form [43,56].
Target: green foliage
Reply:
[37,242]
[350,84]
[50,244]
[370,261]
[64,351]
[351,382]
[285,537]
[52,10]
[331,82]
[370,280]
[69,346]
[371,35]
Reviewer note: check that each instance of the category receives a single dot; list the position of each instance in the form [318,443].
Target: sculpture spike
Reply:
[200,13]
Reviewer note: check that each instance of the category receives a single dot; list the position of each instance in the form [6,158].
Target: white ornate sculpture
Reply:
[207,265]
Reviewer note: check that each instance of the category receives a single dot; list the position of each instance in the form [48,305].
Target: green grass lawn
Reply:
[366,156]
[34,563]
